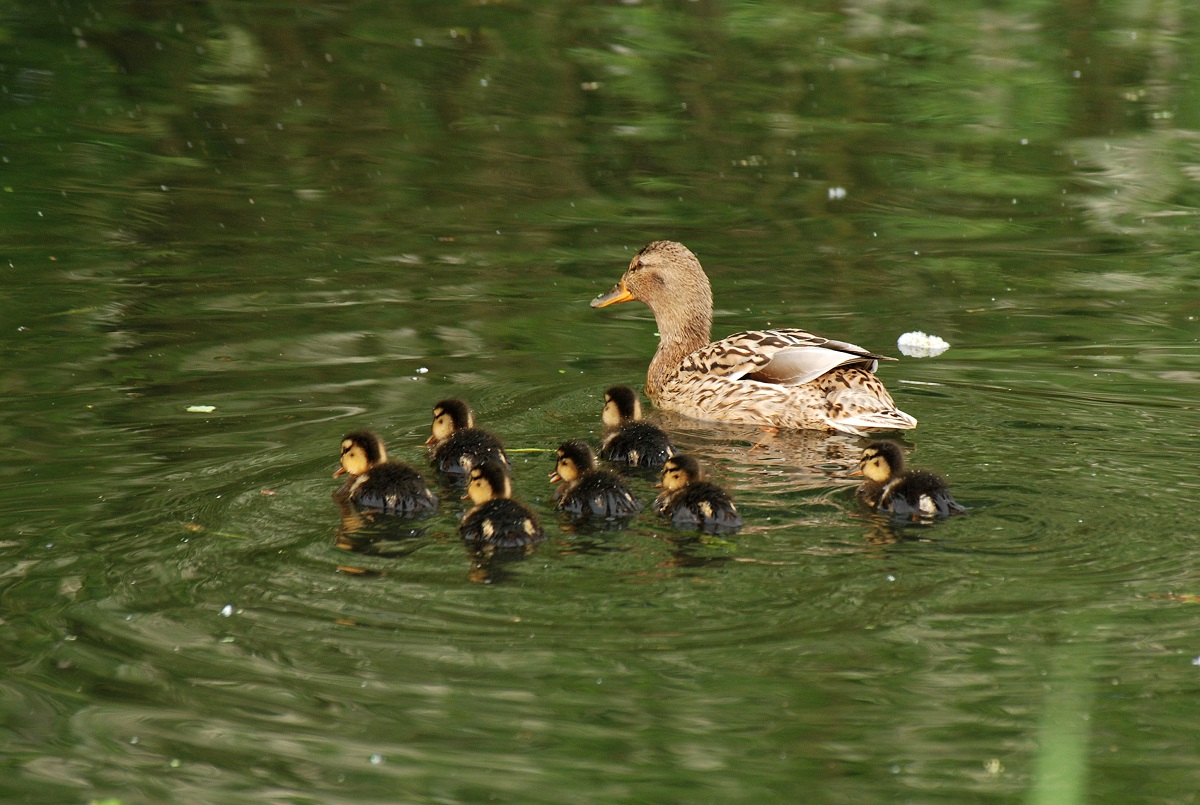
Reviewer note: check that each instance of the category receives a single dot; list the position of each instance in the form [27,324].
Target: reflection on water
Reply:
[302,224]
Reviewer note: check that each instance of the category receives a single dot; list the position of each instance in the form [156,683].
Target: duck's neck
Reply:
[679,336]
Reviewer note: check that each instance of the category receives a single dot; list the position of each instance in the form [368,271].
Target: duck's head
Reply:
[574,459]
[881,461]
[361,450]
[449,416]
[669,279]
[488,481]
[679,471]
[621,405]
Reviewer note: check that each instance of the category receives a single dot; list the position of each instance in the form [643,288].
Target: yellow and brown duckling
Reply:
[376,483]
[496,521]
[456,445]
[785,378]
[692,502]
[630,440]
[890,487]
[586,491]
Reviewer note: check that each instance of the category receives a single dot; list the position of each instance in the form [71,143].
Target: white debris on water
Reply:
[201,409]
[920,345]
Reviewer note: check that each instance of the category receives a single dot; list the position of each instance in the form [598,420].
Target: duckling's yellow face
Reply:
[354,457]
[566,469]
[874,465]
[611,415]
[675,476]
[480,488]
[443,424]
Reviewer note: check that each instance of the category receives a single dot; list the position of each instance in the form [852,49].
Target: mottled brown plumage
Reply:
[785,378]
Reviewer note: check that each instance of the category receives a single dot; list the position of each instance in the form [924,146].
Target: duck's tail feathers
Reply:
[861,414]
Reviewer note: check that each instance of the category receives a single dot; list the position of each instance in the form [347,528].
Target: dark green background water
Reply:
[288,211]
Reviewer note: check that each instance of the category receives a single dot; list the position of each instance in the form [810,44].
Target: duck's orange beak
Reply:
[340,471]
[431,441]
[618,294]
[857,472]
[555,477]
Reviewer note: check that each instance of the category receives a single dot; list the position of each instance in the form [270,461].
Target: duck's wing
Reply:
[788,357]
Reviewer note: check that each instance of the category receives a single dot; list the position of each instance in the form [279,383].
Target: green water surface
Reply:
[318,217]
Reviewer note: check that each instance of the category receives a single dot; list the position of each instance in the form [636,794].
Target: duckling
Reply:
[630,440]
[456,445]
[587,491]
[889,487]
[496,520]
[376,483]
[692,502]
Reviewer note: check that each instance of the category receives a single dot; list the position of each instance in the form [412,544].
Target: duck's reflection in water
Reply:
[373,533]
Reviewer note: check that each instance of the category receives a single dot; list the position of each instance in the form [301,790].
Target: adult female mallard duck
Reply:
[456,445]
[496,520]
[692,502]
[629,440]
[376,483]
[779,378]
[587,491]
[889,487]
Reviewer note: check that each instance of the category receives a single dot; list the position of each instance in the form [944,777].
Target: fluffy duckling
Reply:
[376,483]
[692,502]
[889,487]
[629,440]
[587,491]
[496,520]
[456,445]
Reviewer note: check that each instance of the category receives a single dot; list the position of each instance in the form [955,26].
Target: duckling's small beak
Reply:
[857,471]
[555,477]
[340,471]
[618,294]
[431,441]
[466,496]
[658,485]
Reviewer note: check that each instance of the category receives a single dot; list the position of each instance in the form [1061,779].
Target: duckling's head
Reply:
[361,450]
[621,405]
[880,461]
[449,416]
[488,481]
[669,279]
[679,471]
[574,459]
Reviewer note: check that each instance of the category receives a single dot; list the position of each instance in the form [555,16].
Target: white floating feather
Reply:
[920,345]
